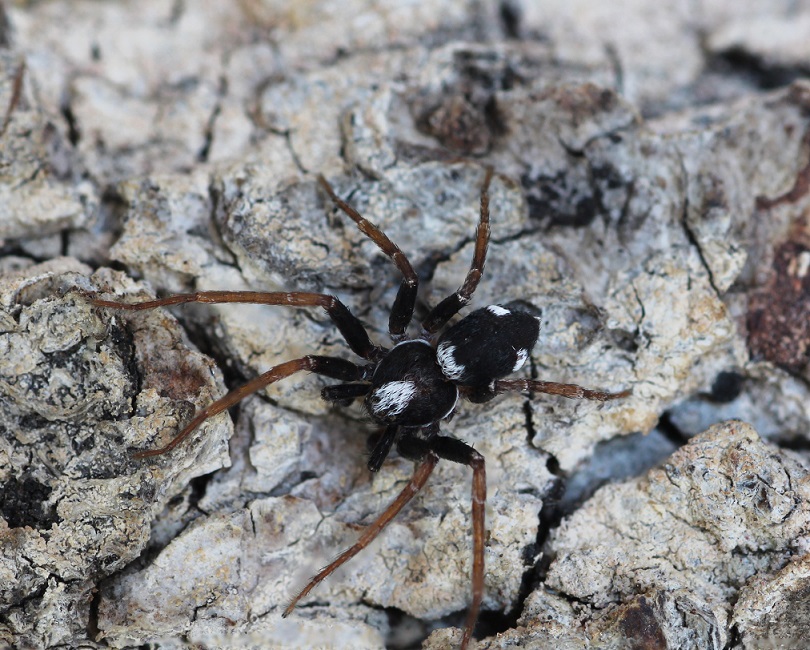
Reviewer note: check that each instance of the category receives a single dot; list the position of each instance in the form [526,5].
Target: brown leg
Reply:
[572,391]
[420,477]
[329,366]
[448,307]
[479,500]
[460,452]
[348,324]
[402,311]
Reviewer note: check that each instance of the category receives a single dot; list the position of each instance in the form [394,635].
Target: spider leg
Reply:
[459,452]
[344,394]
[329,366]
[571,391]
[420,477]
[448,307]
[349,325]
[402,310]
[382,448]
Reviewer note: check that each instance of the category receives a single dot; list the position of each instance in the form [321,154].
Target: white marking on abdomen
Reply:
[498,310]
[522,355]
[447,360]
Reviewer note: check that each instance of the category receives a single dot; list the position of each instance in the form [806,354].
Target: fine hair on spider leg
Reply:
[408,389]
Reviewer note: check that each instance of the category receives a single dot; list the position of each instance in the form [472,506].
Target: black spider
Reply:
[411,387]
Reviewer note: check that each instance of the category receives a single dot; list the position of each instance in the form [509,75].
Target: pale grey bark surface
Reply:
[650,199]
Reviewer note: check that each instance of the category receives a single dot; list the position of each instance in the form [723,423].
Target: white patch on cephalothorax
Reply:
[446,354]
[522,355]
[392,398]
[498,310]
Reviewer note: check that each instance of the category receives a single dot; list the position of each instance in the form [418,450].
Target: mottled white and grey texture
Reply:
[660,560]
[650,199]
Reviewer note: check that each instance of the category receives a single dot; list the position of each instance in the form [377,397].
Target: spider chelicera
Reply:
[410,388]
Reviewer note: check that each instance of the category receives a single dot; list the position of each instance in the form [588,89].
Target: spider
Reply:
[408,388]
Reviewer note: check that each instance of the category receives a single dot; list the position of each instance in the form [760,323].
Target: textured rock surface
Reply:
[650,200]
[80,389]
[718,532]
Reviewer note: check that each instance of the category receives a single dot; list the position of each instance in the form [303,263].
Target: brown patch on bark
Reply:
[779,312]
[640,627]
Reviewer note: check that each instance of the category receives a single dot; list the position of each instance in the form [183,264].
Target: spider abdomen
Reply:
[487,344]
[409,389]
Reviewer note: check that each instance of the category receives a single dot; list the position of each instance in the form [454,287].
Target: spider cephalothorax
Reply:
[410,388]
